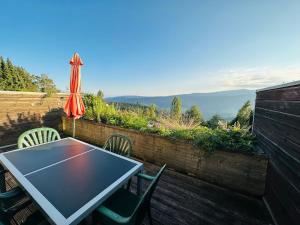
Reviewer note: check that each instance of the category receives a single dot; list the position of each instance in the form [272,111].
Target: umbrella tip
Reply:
[76,59]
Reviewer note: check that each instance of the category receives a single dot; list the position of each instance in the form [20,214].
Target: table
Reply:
[69,178]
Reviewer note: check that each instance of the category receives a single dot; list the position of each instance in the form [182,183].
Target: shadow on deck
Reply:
[183,200]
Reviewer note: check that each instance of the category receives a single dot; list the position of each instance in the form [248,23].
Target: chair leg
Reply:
[150,217]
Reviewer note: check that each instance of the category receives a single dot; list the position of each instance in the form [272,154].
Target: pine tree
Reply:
[175,111]
[11,82]
[1,73]
[1,66]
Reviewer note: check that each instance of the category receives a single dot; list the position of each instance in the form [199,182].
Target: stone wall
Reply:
[240,172]
[21,111]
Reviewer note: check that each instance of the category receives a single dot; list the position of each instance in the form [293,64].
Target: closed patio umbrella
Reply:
[74,107]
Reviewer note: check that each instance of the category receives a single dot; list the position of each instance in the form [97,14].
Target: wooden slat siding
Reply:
[283,94]
[277,127]
[21,111]
[290,107]
[281,135]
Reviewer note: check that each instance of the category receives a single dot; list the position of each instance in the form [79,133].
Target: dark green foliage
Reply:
[15,78]
[175,110]
[88,100]
[194,114]
[130,107]
[232,140]
[214,121]
[244,115]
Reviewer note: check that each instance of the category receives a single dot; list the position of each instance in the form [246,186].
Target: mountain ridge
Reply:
[224,103]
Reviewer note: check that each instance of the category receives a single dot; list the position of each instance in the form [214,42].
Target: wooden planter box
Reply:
[237,171]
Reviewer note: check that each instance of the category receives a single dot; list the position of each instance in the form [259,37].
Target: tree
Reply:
[152,111]
[100,94]
[15,78]
[46,84]
[214,121]
[194,114]
[1,73]
[244,115]
[1,66]
[175,111]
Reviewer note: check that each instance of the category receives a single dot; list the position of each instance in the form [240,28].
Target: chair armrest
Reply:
[145,176]
[12,193]
[113,215]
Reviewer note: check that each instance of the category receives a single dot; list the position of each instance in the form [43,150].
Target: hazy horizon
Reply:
[208,92]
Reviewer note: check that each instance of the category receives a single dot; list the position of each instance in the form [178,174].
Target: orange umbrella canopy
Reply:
[74,106]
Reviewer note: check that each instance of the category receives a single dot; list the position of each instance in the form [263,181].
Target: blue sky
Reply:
[156,47]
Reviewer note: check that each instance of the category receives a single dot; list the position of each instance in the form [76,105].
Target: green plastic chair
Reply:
[124,207]
[11,202]
[37,136]
[118,144]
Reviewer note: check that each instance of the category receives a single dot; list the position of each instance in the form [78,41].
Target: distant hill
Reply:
[224,103]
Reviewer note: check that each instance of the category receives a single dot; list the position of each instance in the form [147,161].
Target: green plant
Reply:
[194,114]
[244,115]
[175,111]
[223,137]
[233,140]
[214,121]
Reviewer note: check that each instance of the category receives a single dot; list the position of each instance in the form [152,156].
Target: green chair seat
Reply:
[124,207]
[122,202]
[37,136]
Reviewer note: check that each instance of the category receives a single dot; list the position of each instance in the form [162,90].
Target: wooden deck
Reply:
[183,200]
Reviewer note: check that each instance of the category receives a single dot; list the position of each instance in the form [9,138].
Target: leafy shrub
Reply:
[224,137]
[232,140]
[131,120]
[97,109]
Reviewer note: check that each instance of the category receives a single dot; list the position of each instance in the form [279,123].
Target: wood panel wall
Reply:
[20,111]
[277,126]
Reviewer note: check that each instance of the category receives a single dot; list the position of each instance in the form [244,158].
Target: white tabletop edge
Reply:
[48,208]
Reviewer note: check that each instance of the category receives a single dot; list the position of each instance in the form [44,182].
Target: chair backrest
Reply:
[145,201]
[118,144]
[37,136]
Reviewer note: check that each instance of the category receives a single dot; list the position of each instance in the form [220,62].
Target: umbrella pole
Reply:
[73,127]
